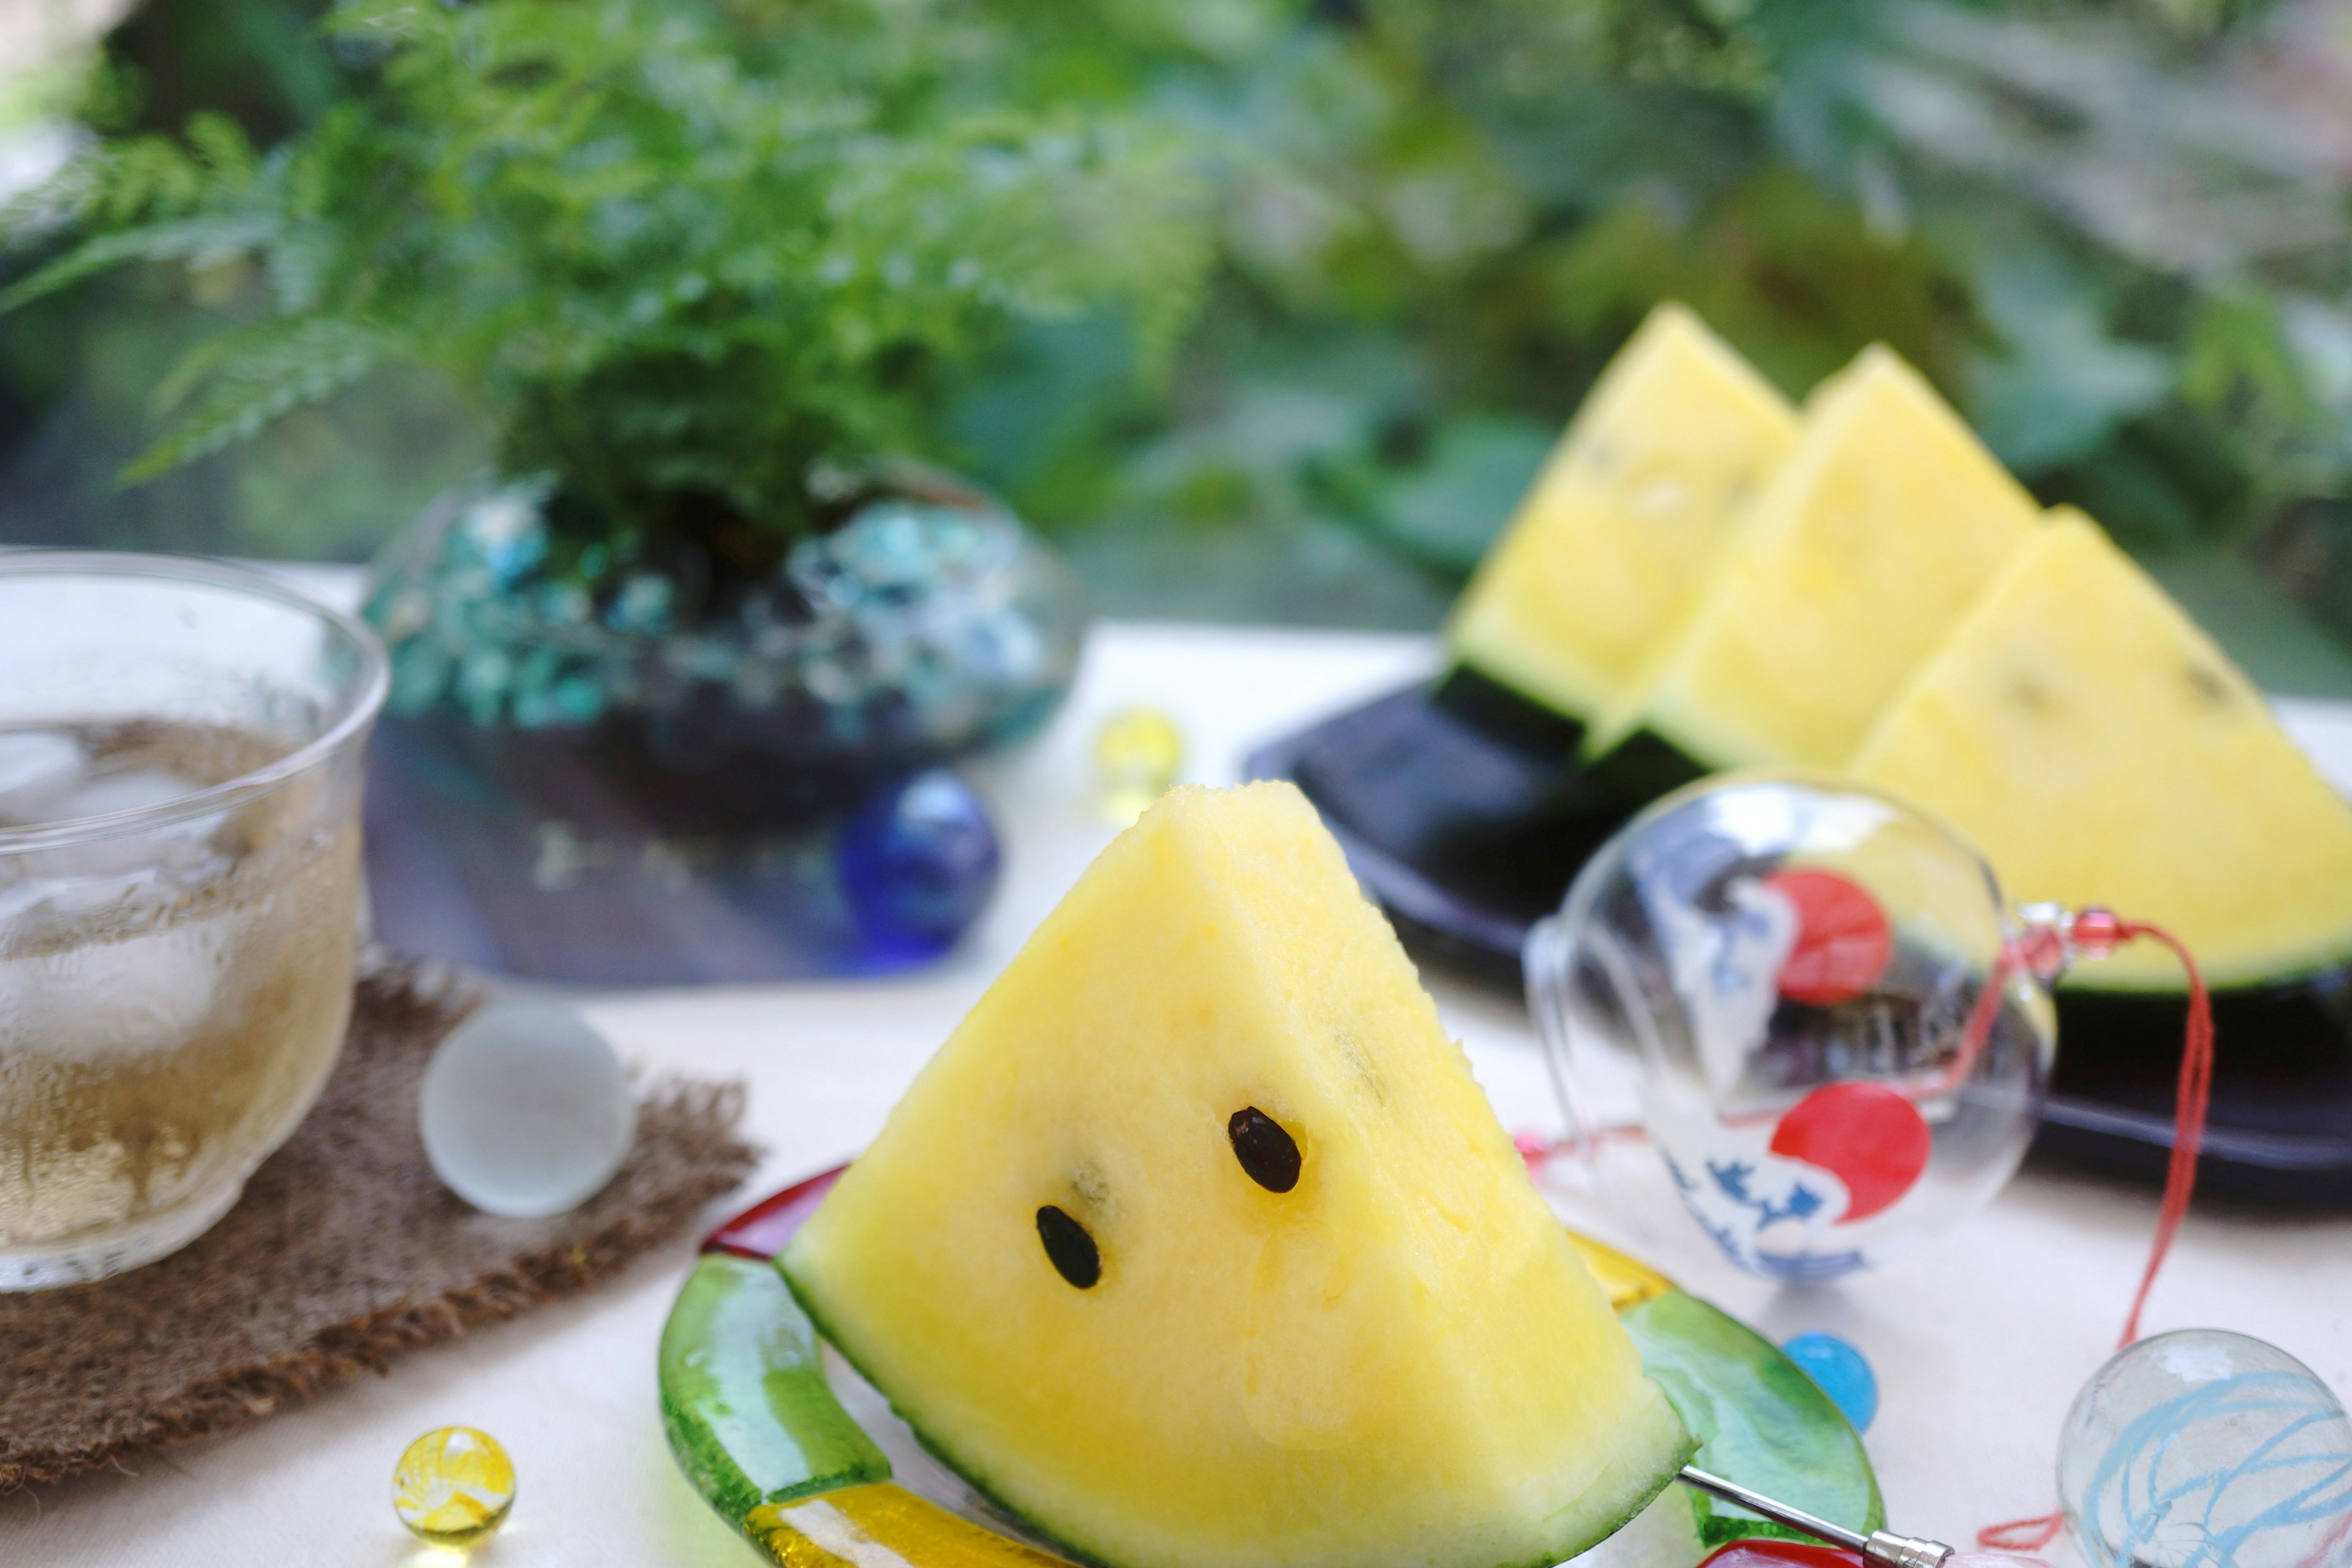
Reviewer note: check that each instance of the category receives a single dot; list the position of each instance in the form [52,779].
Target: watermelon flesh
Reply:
[1197,1244]
[2098,748]
[1600,564]
[1863,547]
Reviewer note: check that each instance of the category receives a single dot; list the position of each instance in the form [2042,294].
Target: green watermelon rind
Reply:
[977,1477]
[1488,698]
[1645,765]
[971,1474]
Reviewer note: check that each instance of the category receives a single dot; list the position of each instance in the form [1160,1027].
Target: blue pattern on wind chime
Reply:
[2202,1448]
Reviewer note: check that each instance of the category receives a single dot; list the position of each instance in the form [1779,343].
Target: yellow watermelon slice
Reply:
[2097,746]
[1197,1246]
[1599,566]
[1863,547]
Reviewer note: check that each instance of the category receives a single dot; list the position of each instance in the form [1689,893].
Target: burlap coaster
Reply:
[344,1251]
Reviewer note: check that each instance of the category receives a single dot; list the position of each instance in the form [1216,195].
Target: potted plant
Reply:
[705,271]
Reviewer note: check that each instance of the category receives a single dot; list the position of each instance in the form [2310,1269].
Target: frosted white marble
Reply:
[525,1111]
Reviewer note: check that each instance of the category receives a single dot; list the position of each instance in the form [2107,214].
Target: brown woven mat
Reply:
[344,1252]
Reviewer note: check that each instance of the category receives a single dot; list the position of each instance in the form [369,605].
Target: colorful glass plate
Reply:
[762,1430]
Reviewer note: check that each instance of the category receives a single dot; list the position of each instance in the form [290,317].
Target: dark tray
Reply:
[1463,812]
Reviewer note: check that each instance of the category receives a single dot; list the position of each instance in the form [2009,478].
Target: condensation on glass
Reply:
[180,748]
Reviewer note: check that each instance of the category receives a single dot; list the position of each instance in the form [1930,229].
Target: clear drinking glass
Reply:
[180,749]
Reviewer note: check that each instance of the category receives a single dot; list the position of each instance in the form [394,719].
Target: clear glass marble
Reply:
[2203,1449]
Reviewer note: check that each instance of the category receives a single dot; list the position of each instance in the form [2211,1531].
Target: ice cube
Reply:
[132,996]
[35,764]
[97,873]
[134,789]
[182,854]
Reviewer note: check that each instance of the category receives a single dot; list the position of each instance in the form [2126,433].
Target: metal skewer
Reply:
[1881,1546]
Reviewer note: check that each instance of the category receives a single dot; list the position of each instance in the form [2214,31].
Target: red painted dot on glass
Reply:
[1867,1135]
[1842,939]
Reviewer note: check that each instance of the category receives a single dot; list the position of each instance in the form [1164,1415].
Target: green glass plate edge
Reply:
[1759,1420]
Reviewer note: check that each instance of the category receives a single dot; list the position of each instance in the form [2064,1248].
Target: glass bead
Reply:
[2206,1448]
[454,1486]
[525,1111]
[1804,996]
[917,864]
[1841,1372]
[1138,752]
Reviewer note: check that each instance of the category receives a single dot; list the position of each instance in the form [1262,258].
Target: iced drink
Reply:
[178,904]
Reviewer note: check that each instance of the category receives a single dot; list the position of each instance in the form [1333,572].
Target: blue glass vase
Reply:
[590,771]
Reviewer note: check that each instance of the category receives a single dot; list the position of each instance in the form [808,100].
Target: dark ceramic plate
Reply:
[1463,812]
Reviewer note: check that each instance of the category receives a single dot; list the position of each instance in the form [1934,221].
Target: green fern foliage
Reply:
[682,253]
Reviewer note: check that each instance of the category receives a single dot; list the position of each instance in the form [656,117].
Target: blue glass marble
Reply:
[1842,1373]
[2203,1449]
[917,863]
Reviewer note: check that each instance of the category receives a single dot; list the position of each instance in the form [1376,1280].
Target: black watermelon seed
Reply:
[1268,1152]
[1069,1248]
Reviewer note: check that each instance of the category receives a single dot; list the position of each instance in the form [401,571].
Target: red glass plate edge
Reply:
[1771,1552]
[763,1230]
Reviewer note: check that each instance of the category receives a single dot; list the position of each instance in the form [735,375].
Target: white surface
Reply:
[1979,1339]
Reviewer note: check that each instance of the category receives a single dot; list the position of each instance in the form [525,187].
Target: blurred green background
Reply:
[2118,235]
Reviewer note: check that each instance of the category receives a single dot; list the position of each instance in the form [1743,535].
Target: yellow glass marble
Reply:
[1137,753]
[454,1486]
[881,1526]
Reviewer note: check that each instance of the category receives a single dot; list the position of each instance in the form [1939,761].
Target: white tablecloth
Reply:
[1980,1338]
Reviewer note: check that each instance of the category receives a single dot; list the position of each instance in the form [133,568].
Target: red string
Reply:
[2021,1534]
[2192,1099]
[1981,1017]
